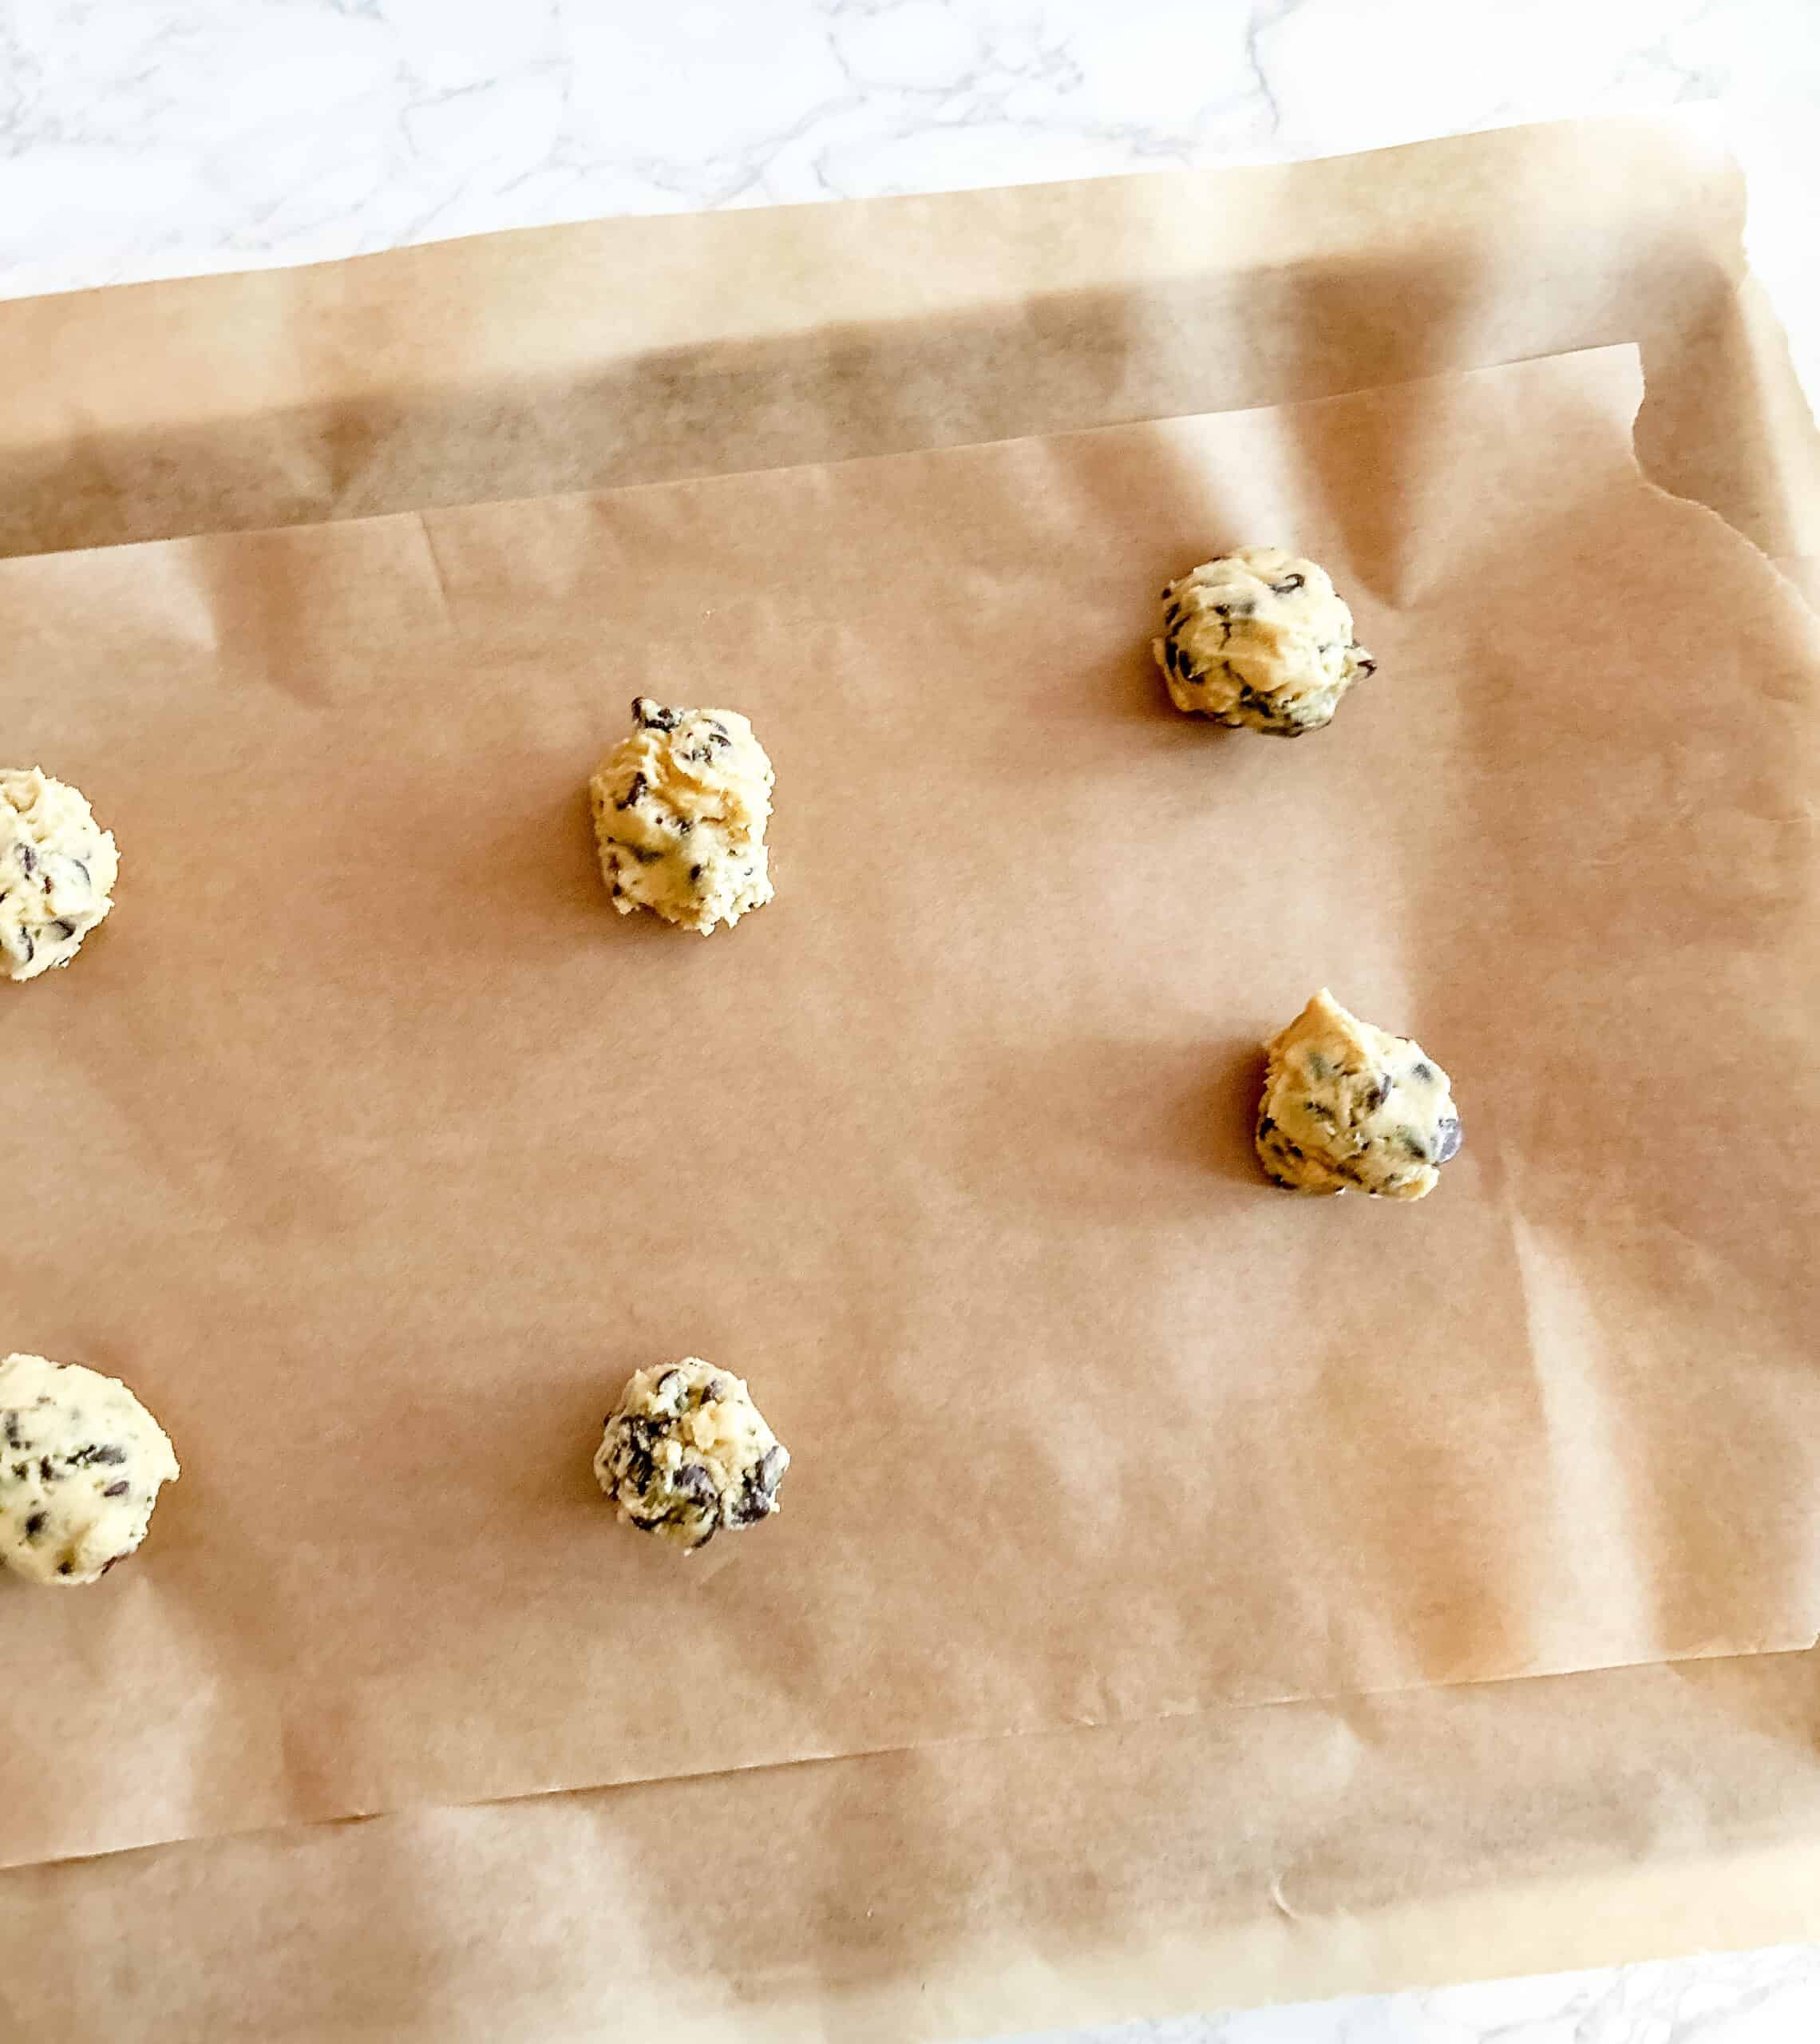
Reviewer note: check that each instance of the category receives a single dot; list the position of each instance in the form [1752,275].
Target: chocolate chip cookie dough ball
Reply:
[57,869]
[679,811]
[1345,1104]
[686,1453]
[1259,638]
[80,1462]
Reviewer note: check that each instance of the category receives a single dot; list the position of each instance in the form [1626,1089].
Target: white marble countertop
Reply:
[145,138]
[142,138]
[1768,1997]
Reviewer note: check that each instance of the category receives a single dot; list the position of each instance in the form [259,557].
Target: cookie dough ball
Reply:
[80,1462]
[1345,1104]
[1259,638]
[679,810]
[686,1453]
[57,869]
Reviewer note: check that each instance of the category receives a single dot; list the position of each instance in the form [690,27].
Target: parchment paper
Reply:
[369,1118]
[1435,1835]
[1057,1880]
[633,351]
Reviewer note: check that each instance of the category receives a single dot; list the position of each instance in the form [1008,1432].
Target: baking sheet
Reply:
[368,1117]
[1444,1833]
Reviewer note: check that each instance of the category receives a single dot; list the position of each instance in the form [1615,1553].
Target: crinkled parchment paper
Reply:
[1421,1835]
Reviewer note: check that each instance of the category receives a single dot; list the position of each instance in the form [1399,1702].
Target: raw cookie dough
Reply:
[57,869]
[686,1453]
[80,1462]
[1345,1104]
[679,810]
[1259,638]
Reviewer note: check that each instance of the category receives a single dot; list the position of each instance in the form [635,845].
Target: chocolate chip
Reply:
[696,1484]
[36,1524]
[1289,582]
[653,716]
[66,1568]
[684,826]
[13,1435]
[1366,664]
[28,858]
[670,1384]
[753,1504]
[1447,1139]
[1414,1144]
[1265,1124]
[758,1497]
[694,872]
[45,1474]
[1422,1071]
[84,1457]
[117,1490]
[633,793]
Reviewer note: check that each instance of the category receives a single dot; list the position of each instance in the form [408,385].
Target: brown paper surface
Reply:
[631,350]
[422,1150]
[1062,1879]
[1460,1831]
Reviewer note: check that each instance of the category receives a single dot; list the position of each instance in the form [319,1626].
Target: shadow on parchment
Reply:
[1123,1124]
[1070,360]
